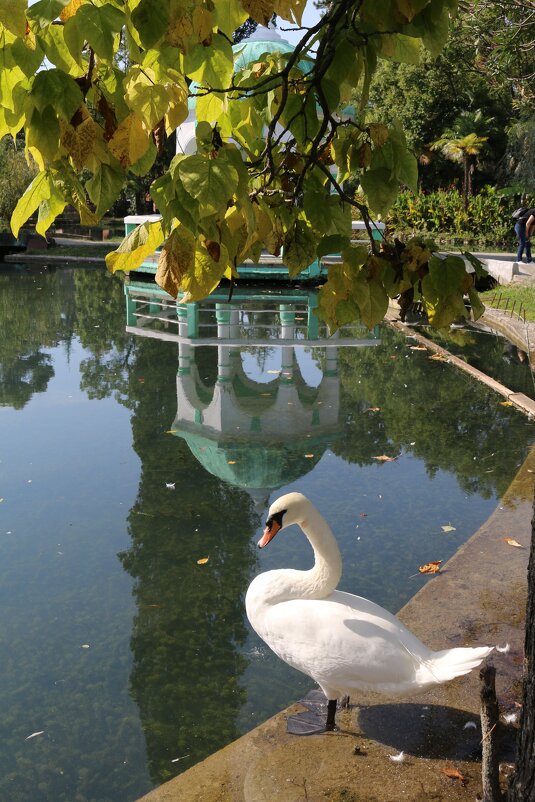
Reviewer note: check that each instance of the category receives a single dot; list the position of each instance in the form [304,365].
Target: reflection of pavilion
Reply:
[254,428]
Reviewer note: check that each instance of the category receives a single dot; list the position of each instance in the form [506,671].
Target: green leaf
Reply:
[381,190]
[93,23]
[42,133]
[39,190]
[13,17]
[203,278]
[53,41]
[54,88]
[49,209]
[212,65]
[135,248]
[479,267]
[299,248]
[397,47]
[229,15]
[447,274]
[45,11]
[212,182]
[145,95]
[478,307]
[151,21]
[334,243]
[371,299]
[104,187]
[27,58]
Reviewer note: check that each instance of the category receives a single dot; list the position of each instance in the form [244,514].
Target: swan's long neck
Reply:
[319,581]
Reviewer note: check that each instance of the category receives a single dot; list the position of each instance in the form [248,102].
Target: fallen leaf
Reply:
[417,347]
[384,458]
[430,568]
[397,758]
[454,774]
[275,372]
[438,358]
[203,560]
[506,403]
[309,456]
[363,514]
[231,462]
[448,528]
[373,409]
[512,542]
[170,485]
[34,735]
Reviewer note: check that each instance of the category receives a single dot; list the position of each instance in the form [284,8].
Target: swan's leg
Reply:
[331,714]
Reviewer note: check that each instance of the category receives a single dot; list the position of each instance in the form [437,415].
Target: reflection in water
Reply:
[173,671]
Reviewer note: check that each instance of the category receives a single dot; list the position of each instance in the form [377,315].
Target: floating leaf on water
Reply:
[454,774]
[203,560]
[309,456]
[512,542]
[34,735]
[231,462]
[430,568]
[448,528]
[84,646]
[170,485]
[439,358]
[373,409]
[506,403]
[363,514]
[384,458]
[417,348]
[470,725]
[276,373]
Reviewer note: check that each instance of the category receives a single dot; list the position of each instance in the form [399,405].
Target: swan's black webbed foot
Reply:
[312,721]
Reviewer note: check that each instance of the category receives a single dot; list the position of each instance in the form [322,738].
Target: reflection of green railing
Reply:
[251,317]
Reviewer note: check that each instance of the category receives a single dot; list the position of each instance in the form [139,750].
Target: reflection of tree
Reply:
[100,327]
[189,625]
[437,413]
[36,313]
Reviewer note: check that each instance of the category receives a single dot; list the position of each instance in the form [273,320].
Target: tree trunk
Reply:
[522,785]
[466,180]
[490,716]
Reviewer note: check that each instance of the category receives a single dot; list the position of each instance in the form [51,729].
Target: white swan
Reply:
[344,642]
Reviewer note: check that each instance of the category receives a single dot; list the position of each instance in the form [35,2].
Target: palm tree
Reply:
[463,143]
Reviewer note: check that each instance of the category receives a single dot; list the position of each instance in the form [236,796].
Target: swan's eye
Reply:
[277,517]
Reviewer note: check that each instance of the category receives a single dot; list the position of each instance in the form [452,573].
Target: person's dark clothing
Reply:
[523,241]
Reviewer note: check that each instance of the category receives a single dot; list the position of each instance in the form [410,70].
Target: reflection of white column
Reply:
[225,364]
[185,351]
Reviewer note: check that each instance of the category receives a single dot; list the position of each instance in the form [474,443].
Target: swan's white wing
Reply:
[343,642]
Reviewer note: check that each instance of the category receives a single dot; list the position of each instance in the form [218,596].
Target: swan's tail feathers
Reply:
[451,663]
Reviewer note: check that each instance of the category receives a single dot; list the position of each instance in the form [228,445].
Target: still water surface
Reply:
[125,459]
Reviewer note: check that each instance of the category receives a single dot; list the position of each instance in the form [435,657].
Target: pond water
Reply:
[129,455]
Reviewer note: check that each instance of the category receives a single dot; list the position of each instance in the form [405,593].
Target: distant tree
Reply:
[15,175]
[463,143]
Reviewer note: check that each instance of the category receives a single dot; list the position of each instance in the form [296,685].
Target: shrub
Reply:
[442,213]
[15,175]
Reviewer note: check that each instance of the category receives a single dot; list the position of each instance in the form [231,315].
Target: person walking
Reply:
[523,229]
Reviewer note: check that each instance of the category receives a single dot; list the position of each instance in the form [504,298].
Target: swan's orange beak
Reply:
[269,533]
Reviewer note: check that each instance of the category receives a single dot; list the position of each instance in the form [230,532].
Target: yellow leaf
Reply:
[448,528]
[430,568]
[176,258]
[140,243]
[384,458]
[70,9]
[231,462]
[418,348]
[373,409]
[506,403]
[454,774]
[130,141]
[203,561]
[511,542]
[79,141]
[291,10]
[438,358]
[309,456]
[260,10]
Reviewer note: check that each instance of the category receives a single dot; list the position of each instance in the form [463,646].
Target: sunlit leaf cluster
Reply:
[97,86]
